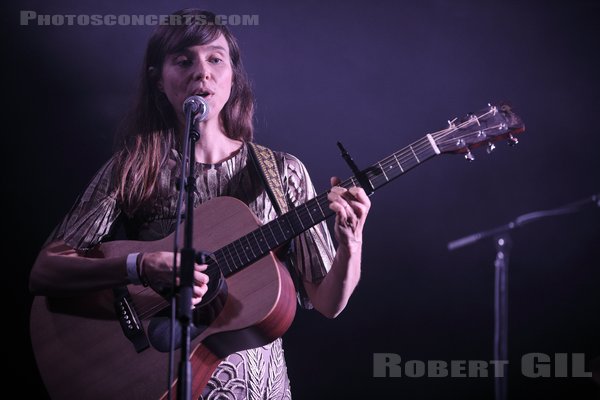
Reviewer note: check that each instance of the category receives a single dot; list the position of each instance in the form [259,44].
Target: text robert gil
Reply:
[533,365]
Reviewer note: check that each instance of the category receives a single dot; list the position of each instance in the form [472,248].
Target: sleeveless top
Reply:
[96,217]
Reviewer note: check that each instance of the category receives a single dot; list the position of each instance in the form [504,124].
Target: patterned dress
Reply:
[258,373]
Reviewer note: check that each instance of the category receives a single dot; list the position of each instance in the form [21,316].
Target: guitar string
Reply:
[146,311]
[472,145]
[498,127]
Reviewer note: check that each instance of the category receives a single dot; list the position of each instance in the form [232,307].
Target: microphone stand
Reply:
[188,254]
[503,244]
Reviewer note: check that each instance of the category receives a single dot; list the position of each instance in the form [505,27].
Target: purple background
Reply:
[376,76]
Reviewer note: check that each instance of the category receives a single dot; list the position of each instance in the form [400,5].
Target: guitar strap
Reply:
[264,161]
[266,166]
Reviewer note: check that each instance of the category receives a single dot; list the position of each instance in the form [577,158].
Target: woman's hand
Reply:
[351,207]
[156,269]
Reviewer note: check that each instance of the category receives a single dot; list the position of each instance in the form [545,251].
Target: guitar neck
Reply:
[256,244]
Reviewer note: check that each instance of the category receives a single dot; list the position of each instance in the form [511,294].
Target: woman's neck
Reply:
[214,146]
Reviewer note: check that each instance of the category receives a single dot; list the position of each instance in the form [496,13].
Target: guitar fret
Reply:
[218,255]
[393,167]
[325,204]
[230,254]
[298,217]
[279,225]
[388,165]
[236,252]
[383,170]
[413,151]
[224,258]
[263,241]
[215,256]
[256,250]
[249,247]
[309,213]
[237,259]
[255,241]
[400,165]
[229,266]
[242,248]
[322,213]
[289,226]
[270,226]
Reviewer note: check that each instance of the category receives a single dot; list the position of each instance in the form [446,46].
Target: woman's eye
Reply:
[216,60]
[184,62]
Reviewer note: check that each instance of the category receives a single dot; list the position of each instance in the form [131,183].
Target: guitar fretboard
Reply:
[256,244]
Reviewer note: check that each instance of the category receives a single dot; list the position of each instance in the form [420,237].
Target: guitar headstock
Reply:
[489,125]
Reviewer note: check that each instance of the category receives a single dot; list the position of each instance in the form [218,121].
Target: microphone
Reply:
[198,107]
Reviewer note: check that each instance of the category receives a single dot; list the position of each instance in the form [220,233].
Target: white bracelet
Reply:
[132,272]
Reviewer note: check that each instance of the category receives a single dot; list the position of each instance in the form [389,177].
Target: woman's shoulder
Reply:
[104,176]
[284,159]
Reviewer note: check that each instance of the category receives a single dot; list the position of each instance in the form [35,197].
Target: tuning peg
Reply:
[512,141]
[490,147]
[469,156]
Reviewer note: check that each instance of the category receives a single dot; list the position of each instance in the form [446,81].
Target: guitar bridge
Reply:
[129,320]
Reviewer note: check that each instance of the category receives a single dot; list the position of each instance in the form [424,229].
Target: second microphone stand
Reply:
[503,244]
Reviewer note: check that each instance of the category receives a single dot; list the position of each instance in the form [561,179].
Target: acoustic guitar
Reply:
[82,344]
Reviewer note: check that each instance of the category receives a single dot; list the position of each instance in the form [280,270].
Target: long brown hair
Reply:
[149,131]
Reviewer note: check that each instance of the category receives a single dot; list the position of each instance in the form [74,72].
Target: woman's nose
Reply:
[201,71]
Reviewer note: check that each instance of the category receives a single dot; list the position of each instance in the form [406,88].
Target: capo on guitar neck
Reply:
[360,175]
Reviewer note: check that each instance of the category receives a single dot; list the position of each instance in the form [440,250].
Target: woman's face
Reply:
[203,70]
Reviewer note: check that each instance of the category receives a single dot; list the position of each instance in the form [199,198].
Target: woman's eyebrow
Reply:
[188,50]
[217,48]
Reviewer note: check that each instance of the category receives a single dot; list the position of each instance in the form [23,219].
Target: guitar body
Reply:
[82,352]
